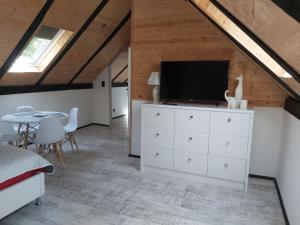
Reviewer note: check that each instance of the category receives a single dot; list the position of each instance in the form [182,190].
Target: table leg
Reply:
[26,136]
[19,135]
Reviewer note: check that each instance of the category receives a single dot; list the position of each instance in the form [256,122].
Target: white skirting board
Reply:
[21,194]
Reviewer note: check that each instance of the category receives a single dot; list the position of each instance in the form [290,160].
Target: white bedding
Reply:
[14,162]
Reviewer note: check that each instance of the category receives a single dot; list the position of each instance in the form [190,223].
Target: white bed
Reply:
[14,163]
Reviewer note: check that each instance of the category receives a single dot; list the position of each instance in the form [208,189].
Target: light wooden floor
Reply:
[101,185]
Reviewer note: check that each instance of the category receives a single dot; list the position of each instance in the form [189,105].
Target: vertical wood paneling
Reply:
[172,30]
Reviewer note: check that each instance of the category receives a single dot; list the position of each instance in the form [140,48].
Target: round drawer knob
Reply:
[157,134]
[226,165]
[229,120]
[157,154]
[189,159]
[191,117]
[158,114]
[190,138]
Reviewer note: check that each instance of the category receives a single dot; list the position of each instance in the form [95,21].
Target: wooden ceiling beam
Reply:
[102,46]
[73,41]
[25,38]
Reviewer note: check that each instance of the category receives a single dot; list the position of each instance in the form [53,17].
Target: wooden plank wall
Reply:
[173,30]
[69,15]
[271,24]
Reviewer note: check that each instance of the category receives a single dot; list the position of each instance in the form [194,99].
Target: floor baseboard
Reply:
[134,156]
[92,124]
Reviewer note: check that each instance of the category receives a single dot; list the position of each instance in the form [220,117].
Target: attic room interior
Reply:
[157,112]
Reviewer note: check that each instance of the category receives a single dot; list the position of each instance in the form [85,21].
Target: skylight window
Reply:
[40,51]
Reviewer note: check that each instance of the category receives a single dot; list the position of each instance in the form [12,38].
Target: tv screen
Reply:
[194,80]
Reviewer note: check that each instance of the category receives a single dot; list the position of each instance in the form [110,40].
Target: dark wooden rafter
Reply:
[290,7]
[73,41]
[246,51]
[102,46]
[258,41]
[25,38]
[7,90]
[118,74]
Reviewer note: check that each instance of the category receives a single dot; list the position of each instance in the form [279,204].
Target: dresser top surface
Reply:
[202,107]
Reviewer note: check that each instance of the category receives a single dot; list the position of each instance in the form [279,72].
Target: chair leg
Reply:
[74,141]
[71,141]
[60,154]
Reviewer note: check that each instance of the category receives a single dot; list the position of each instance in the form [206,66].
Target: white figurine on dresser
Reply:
[203,143]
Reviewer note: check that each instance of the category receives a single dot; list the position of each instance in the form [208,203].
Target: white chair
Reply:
[49,138]
[71,127]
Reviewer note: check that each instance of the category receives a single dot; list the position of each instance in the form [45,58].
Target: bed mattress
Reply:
[17,165]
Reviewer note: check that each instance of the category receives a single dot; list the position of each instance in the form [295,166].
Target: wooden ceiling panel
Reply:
[67,14]
[115,46]
[272,25]
[89,41]
[15,18]
[119,63]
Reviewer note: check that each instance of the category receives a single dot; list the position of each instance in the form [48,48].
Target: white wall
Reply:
[102,98]
[288,176]
[265,143]
[55,101]
[119,101]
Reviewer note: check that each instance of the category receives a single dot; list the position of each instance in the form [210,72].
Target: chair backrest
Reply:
[50,131]
[73,118]
[25,108]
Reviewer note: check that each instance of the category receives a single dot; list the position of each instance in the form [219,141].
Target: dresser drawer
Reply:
[158,137]
[228,146]
[190,162]
[191,141]
[192,120]
[158,117]
[230,123]
[157,157]
[226,168]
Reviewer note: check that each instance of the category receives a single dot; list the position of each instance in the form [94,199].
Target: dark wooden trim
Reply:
[258,41]
[290,7]
[286,219]
[293,107]
[9,90]
[261,177]
[73,41]
[92,124]
[118,74]
[124,84]
[278,194]
[119,116]
[246,51]
[134,156]
[25,38]
[108,39]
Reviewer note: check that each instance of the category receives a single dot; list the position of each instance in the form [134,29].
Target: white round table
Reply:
[29,118]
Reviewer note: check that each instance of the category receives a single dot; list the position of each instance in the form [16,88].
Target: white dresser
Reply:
[203,143]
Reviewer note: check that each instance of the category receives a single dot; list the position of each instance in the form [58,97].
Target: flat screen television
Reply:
[194,80]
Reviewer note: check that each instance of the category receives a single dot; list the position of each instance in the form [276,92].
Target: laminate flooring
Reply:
[102,185]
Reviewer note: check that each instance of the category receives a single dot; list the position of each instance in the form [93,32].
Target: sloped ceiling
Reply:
[270,23]
[70,15]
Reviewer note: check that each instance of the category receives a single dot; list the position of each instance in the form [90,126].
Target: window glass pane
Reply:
[33,50]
